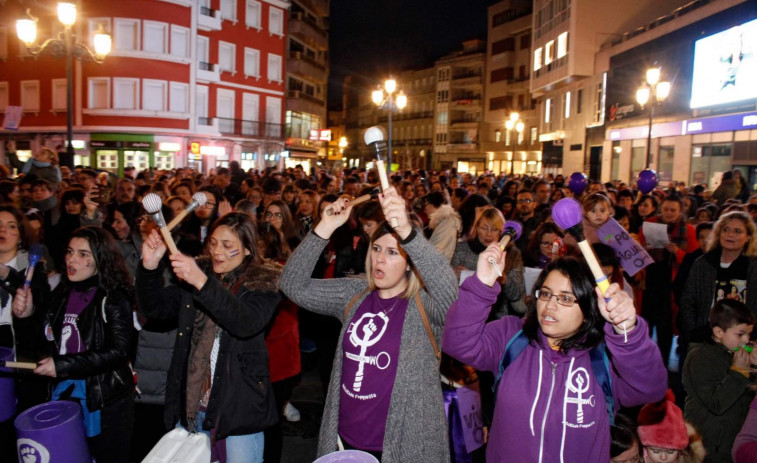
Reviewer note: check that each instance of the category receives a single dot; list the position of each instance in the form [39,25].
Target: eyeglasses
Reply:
[545,244]
[488,230]
[278,215]
[525,201]
[564,300]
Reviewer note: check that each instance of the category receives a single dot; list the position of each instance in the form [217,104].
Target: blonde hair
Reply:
[493,216]
[750,248]
[414,284]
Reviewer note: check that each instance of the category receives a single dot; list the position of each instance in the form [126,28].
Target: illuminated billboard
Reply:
[725,67]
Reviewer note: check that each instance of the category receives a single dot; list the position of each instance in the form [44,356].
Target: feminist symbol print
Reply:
[578,384]
[366,332]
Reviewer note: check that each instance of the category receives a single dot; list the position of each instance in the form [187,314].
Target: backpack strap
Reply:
[351,303]
[600,365]
[515,346]
[427,326]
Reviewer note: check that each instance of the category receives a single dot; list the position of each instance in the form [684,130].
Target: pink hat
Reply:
[661,425]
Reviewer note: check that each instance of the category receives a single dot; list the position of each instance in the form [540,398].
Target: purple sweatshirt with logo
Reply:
[549,406]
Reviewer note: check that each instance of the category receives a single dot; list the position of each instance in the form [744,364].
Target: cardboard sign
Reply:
[469,400]
[632,256]
[12,118]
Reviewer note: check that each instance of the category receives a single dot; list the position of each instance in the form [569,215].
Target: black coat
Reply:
[106,330]
[241,400]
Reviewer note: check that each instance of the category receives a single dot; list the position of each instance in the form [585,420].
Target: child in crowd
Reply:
[597,211]
[717,379]
[665,436]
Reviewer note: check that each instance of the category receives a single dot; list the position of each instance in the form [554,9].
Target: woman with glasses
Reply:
[218,382]
[727,268]
[487,230]
[384,396]
[541,247]
[278,216]
[551,402]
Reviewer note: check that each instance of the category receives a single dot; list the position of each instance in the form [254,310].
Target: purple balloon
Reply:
[567,213]
[577,182]
[647,180]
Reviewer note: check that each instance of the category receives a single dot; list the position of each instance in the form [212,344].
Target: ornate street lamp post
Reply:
[384,98]
[653,93]
[65,45]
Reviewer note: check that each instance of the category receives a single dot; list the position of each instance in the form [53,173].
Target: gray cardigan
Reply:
[416,427]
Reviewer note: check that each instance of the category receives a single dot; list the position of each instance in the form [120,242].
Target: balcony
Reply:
[253,129]
[208,72]
[467,80]
[306,66]
[411,116]
[467,103]
[464,123]
[207,126]
[462,146]
[208,20]
[308,31]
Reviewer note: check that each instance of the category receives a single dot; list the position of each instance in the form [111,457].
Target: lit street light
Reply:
[65,45]
[514,122]
[342,146]
[384,99]
[653,93]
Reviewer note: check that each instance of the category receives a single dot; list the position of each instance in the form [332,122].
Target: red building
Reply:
[187,83]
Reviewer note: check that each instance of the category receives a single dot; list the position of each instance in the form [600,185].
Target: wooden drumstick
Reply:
[354,202]
[17,365]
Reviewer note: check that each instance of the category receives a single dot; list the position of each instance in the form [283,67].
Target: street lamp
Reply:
[342,146]
[514,122]
[384,99]
[65,45]
[653,93]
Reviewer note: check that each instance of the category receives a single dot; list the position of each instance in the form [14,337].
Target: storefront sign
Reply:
[168,146]
[138,144]
[705,125]
[320,135]
[105,144]
[213,150]
[194,148]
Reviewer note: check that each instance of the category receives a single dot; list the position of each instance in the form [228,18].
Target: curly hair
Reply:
[750,248]
[109,262]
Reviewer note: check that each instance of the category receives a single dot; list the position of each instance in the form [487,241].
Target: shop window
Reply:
[708,162]
[665,164]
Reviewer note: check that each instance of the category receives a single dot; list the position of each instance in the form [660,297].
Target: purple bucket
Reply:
[347,456]
[7,388]
[53,433]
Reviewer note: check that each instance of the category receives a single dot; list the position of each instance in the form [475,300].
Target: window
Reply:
[99,92]
[229,10]
[579,100]
[274,68]
[548,110]
[179,41]
[443,75]
[59,95]
[442,117]
[30,95]
[3,95]
[549,52]
[203,49]
[251,62]
[498,135]
[273,116]
[276,21]
[226,61]
[155,37]
[3,43]
[566,104]
[125,93]
[178,98]
[562,45]
[599,101]
[126,34]
[501,46]
[154,95]
[498,75]
[250,113]
[525,41]
[537,58]
[442,96]
[225,110]
[252,14]
[534,135]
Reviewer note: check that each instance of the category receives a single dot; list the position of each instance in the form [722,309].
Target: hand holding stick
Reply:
[354,202]
[17,365]
[512,230]
[198,199]
[374,137]
[152,205]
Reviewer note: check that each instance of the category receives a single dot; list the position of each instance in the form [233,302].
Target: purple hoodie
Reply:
[550,408]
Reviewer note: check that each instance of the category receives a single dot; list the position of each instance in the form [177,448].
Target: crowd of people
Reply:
[409,300]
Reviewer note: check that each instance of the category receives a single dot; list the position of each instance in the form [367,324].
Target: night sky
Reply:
[371,38]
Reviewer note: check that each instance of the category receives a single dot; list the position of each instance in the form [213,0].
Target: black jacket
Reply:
[106,330]
[241,400]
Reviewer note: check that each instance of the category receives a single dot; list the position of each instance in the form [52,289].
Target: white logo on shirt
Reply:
[364,333]
[578,383]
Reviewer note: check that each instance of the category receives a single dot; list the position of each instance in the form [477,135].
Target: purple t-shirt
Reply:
[371,347]
[70,337]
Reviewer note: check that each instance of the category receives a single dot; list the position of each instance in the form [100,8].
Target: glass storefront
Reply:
[708,162]
[665,164]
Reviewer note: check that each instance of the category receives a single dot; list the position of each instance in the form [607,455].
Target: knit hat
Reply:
[661,425]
